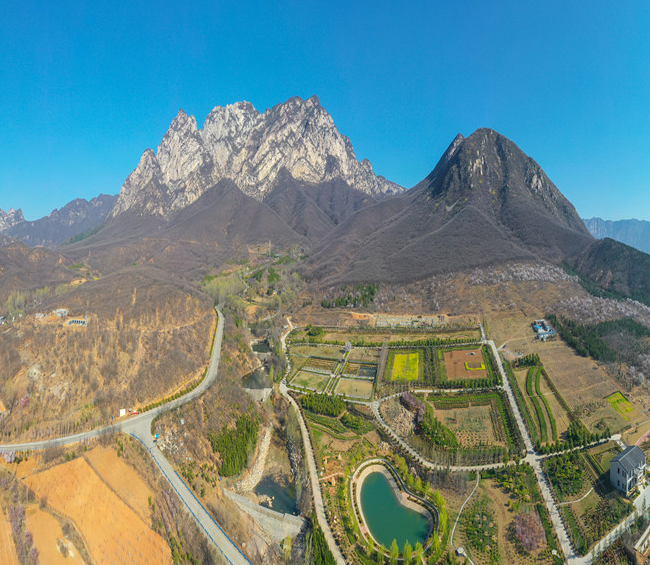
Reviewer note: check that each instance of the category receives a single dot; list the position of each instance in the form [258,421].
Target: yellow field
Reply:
[621,405]
[406,366]
[114,533]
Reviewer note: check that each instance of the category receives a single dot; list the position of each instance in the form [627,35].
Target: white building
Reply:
[627,469]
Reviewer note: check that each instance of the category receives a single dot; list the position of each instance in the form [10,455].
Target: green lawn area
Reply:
[621,405]
[310,380]
[406,366]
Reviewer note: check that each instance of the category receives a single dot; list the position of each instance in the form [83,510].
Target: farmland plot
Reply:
[113,532]
[355,388]
[465,364]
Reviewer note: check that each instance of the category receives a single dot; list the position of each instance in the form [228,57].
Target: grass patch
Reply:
[311,381]
[621,404]
[541,421]
[551,418]
[472,366]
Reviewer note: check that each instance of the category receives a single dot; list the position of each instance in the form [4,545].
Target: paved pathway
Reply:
[319,506]
[535,461]
[203,518]
[453,530]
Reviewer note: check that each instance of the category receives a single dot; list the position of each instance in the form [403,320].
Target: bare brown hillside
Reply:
[26,268]
[146,337]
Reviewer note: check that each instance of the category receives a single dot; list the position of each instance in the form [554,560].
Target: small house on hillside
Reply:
[543,330]
[627,469]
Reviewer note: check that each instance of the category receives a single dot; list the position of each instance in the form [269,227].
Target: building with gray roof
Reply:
[627,469]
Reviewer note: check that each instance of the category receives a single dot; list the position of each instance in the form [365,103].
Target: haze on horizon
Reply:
[87,90]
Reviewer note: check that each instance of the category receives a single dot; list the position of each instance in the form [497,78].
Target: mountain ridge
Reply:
[633,232]
[76,217]
[249,147]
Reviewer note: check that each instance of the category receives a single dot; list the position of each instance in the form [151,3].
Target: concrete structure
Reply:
[259,394]
[276,525]
[642,546]
[627,469]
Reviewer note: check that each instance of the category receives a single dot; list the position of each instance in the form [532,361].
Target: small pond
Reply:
[259,378]
[261,347]
[281,492]
[386,518]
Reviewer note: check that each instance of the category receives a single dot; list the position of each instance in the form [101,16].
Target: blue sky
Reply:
[86,87]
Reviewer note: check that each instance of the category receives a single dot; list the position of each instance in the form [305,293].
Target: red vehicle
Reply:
[133,412]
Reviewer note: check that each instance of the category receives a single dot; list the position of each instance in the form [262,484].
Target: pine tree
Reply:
[394,552]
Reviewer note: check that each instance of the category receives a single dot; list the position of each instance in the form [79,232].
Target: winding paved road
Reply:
[140,428]
[319,506]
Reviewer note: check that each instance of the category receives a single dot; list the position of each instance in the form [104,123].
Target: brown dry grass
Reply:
[7,547]
[47,530]
[122,479]
[363,355]
[455,363]
[472,426]
[361,389]
[113,532]
[582,382]
[504,515]
[146,335]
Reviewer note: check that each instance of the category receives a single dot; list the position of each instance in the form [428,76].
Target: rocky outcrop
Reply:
[10,218]
[251,148]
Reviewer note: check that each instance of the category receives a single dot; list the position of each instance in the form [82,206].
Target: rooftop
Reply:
[630,458]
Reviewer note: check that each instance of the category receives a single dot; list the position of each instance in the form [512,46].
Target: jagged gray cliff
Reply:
[251,148]
[10,218]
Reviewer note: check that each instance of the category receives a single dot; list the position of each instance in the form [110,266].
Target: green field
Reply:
[406,366]
[621,405]
[311,381]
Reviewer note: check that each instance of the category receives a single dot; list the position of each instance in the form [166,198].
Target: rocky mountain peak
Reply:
[10,218]
[238,142]
[490,172]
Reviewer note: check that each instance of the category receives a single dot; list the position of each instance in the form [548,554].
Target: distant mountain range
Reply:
[60,225]
[631,232]
[288,175]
